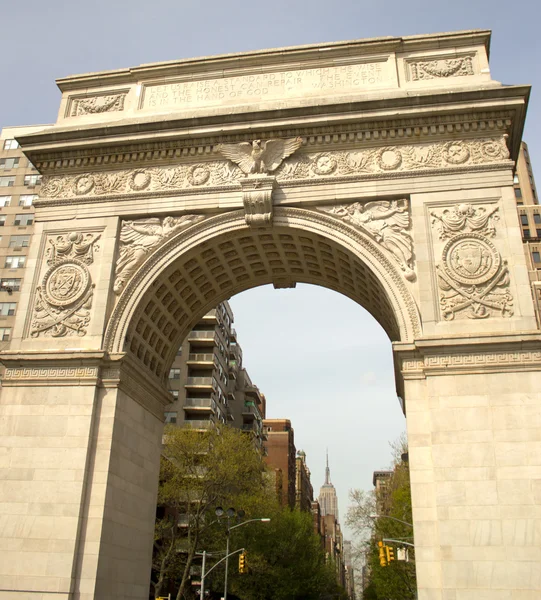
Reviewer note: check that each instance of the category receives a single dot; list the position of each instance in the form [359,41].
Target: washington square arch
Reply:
[382,169]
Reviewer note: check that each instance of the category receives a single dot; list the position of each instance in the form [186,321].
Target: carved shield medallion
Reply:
[471,259]
[65,283]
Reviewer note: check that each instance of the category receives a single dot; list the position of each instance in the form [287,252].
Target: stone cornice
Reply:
[467,355]
[427,114]
[44,369]
[285,55]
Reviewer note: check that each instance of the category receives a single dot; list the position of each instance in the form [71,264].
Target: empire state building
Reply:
[328,500]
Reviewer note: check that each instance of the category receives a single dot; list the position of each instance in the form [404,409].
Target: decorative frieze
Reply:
[385,222]
[91,105]
[139,238]
[48,374]
[471,361]
[465,218]
[63,301]
[359,164]
[439,68]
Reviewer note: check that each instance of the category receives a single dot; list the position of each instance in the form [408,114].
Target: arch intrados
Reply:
[221,256]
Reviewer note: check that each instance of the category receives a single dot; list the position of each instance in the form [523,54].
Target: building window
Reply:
[526,233]
[27,199]
[9,163]
[170,417]
[174,393]
[537,218]
[536,257]
[7,181]
[174,374]
[15,262]
[5,334]
[518,193]
[19,241]
[32,180]
[524,219]
[10,285]
[515,179]
[11,145]
[7,309]
[23,220]
[2,220]
[5,201]
[31,166]
[538,233]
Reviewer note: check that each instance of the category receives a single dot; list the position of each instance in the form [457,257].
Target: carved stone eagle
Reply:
[260,156]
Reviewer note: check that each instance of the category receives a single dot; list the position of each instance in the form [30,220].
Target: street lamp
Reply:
[389,517]
[231,513]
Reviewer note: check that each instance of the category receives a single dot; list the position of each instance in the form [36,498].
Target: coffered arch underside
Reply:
[221,256]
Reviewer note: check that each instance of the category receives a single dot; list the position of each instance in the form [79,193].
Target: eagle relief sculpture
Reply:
[260,157]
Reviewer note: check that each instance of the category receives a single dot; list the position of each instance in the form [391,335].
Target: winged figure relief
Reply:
[139,238]
[260,156]
[387,223]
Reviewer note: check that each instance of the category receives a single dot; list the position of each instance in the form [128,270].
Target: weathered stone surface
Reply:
[381,169]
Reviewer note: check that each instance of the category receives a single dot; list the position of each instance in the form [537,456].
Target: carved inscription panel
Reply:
[268,86]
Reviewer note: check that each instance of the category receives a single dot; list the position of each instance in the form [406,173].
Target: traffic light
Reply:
[382,557]
[243,567]
[390,553]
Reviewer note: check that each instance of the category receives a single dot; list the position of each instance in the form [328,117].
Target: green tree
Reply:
[199,471]
[285,560]
[396,581]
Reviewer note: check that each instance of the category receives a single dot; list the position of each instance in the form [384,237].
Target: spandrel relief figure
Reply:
[139,238]
[386,222]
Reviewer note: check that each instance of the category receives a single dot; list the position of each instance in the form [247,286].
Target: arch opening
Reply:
[220,257]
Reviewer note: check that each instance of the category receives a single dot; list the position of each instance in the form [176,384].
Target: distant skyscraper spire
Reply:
[328,500]
[327,471]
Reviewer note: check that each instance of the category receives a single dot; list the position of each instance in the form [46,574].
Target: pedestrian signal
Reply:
[382,557]
[243,567]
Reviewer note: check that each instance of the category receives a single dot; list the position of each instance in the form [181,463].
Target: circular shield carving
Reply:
[83,184]
[198,174]
[389,159]
[493,150]
[66,283]
[456,153]
[471,259]
[139,180]
[324,164]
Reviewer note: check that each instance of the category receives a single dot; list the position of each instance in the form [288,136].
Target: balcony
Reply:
[207,335]
[199,424]
[250,411]
[200,383]
[200,405]
[204,360]
[252,391]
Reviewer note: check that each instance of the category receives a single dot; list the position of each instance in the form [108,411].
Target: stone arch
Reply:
[222,256]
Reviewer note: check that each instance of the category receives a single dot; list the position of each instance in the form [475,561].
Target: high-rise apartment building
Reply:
[280,455]
[304,492]
[19,187]
[529,214]
[208,382]
[328,500]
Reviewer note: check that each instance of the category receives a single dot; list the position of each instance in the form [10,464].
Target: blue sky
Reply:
[320,359]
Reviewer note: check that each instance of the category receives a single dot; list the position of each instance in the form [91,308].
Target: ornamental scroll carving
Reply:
[97,104]
[441,68]
[64,299]
[385,222]
[473,279]
[139,238]
[465,217]
[347,165]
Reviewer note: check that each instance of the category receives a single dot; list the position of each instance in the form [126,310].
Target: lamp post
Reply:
[389,517]
[231,513]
